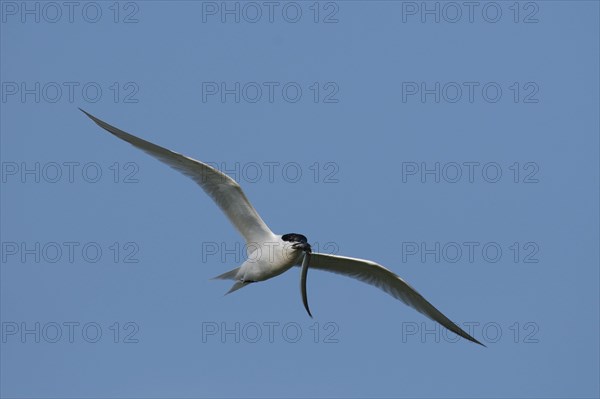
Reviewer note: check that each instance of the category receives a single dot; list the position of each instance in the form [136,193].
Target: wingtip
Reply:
[477,342]
[92,117]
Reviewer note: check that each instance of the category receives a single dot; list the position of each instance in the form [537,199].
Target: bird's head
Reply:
[298,241]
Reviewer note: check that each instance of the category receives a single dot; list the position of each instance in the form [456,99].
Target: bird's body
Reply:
[270,254]
[266,260]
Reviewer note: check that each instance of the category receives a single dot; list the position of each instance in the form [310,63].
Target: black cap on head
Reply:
[294,237]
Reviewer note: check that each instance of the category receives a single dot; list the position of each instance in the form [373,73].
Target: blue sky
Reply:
[457,146]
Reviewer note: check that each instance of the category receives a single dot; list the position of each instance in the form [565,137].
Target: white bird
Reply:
[283,251]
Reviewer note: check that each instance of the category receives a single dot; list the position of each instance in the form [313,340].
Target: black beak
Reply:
[303,246]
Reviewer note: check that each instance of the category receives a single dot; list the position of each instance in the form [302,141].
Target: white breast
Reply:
[269,259]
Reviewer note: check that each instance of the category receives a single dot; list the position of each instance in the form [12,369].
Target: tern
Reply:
[284,251]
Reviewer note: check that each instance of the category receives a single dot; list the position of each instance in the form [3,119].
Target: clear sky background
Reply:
[360,143]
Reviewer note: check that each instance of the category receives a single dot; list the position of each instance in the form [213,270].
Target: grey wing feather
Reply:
[384,279]
[225,191]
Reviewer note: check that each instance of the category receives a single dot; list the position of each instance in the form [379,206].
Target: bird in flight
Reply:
[284,251]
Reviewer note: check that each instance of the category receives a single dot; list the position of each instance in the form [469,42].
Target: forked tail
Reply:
[232,275]
[238,284]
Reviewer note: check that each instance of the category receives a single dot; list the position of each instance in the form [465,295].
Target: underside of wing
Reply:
[225,191]
[384,279]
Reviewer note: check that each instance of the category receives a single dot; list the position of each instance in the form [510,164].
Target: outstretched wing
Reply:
[382,278]
[225,191]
